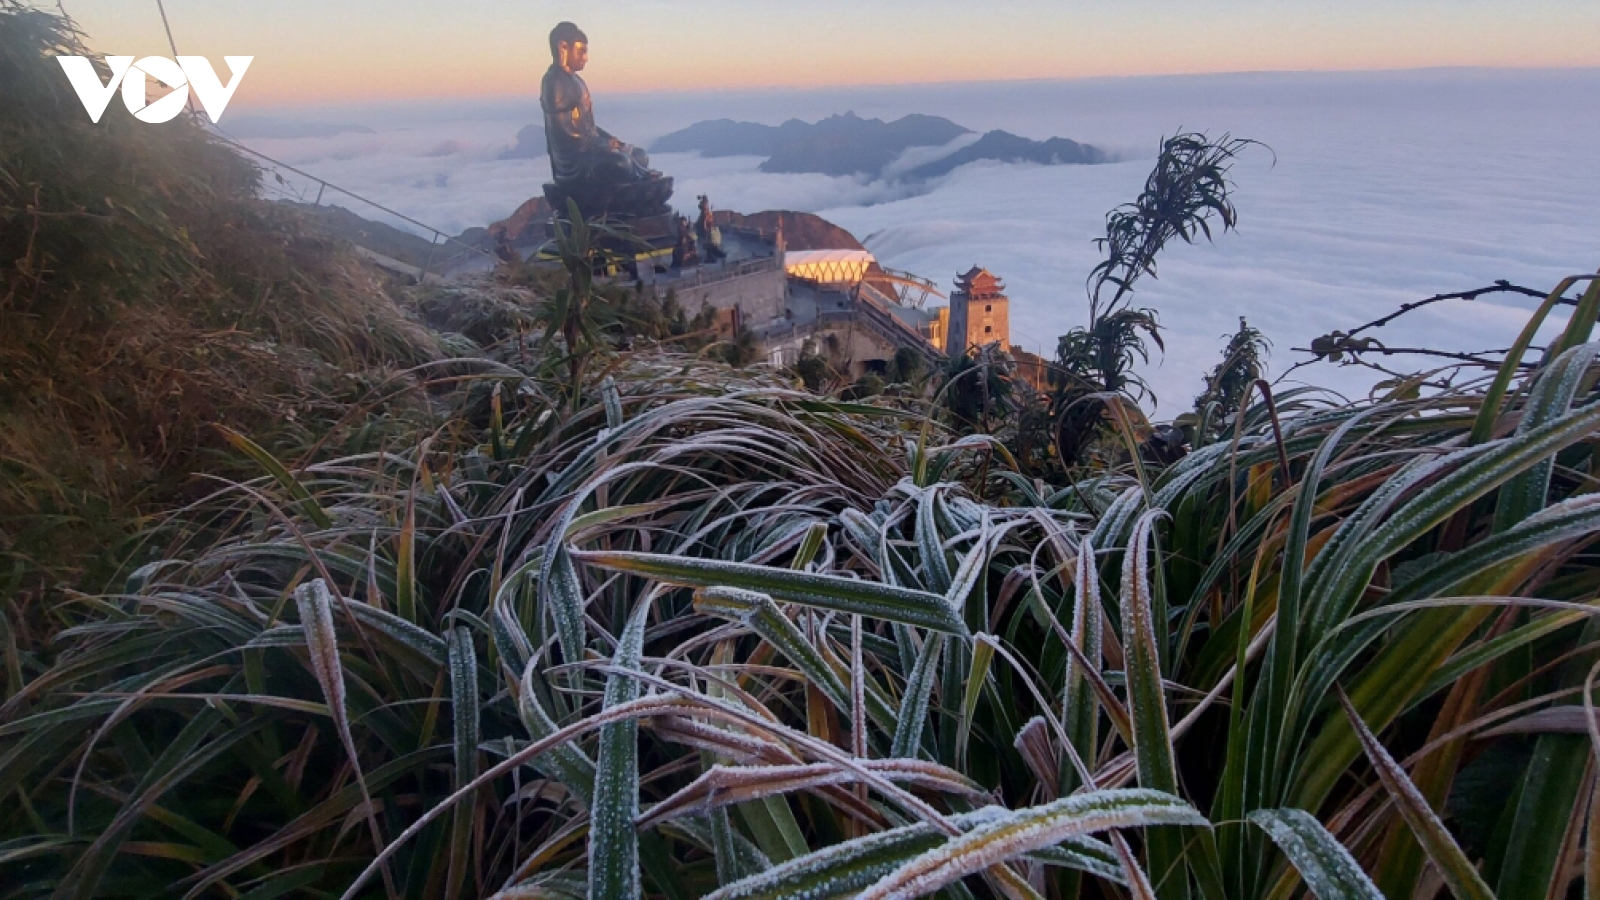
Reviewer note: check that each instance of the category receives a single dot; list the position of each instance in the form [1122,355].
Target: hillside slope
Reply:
[148,296]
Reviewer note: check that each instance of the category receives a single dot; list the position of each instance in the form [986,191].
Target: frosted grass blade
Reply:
[846,868]
[1327,868]
[1489,411]
[1551,397]
[1152,731]
[914,705]
[1447,856]
[307,503]
[1081,716]
[464,713]
[873,600]
[977,678]
[613,843]
[1014,834]
[568,763]
[315,603]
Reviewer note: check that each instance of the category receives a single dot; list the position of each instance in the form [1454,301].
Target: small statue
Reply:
[710,234]
[684,252]
[579,149]
[502,246]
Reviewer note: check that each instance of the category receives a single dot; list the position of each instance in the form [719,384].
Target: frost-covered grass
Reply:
[645,625]
[700,634]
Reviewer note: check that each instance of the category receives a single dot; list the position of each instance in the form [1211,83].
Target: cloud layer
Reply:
[1387,188]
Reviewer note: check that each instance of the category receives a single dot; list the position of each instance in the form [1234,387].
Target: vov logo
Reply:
[188,72]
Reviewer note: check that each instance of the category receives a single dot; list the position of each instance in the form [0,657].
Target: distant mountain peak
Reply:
[841,144]
[1003,146]
[847,144]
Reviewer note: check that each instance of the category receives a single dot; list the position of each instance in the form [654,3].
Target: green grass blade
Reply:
[1448,859]
[1152,731]
[1545,801]
[1327,868]
[567,763]
[613,844]
[913,718]
[561,592]
[1012,834]
[1489,411]
[977,677]
[1081,716]
[760,614]
[729,868]
[930,542]
[810,545]
[878,601]
[464,712]
[303,499]
[1551,397]
[613,402]
[405,565]
[1580,326]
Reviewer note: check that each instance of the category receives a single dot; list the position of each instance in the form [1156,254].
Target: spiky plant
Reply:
[741,350]
[1187,187]
[1093,366]
[1243,362]
[978,388]
[583,247]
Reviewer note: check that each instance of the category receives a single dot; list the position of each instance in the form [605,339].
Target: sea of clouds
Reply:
[1379,189]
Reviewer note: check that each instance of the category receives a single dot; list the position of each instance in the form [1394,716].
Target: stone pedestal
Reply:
[621,200]
[644,242]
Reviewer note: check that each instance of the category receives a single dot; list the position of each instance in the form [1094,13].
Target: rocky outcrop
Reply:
[528,221]
[801,230]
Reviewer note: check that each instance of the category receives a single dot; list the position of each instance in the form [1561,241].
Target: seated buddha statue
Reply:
[587,163]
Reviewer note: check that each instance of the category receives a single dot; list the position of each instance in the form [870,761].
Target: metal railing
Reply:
[724,273]
[874,311]
[323,184]
[909,282]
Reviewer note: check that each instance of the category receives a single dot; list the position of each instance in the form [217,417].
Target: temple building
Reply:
[980,312]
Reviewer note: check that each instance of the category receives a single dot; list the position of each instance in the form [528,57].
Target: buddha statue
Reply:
[589,165]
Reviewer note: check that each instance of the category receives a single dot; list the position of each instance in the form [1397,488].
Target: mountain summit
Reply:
[838,145]
[847,144]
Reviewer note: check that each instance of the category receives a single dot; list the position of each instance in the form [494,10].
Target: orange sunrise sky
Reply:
[326,52]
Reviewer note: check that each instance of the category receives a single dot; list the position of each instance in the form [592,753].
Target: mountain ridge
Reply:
[847,144]
[1003,146]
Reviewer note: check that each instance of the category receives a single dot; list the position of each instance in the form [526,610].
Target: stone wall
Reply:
[758,294]
[850,346]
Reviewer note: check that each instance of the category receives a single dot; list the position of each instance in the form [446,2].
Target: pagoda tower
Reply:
[980,312]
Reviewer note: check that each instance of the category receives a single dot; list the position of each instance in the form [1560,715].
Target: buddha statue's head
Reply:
[569,47]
